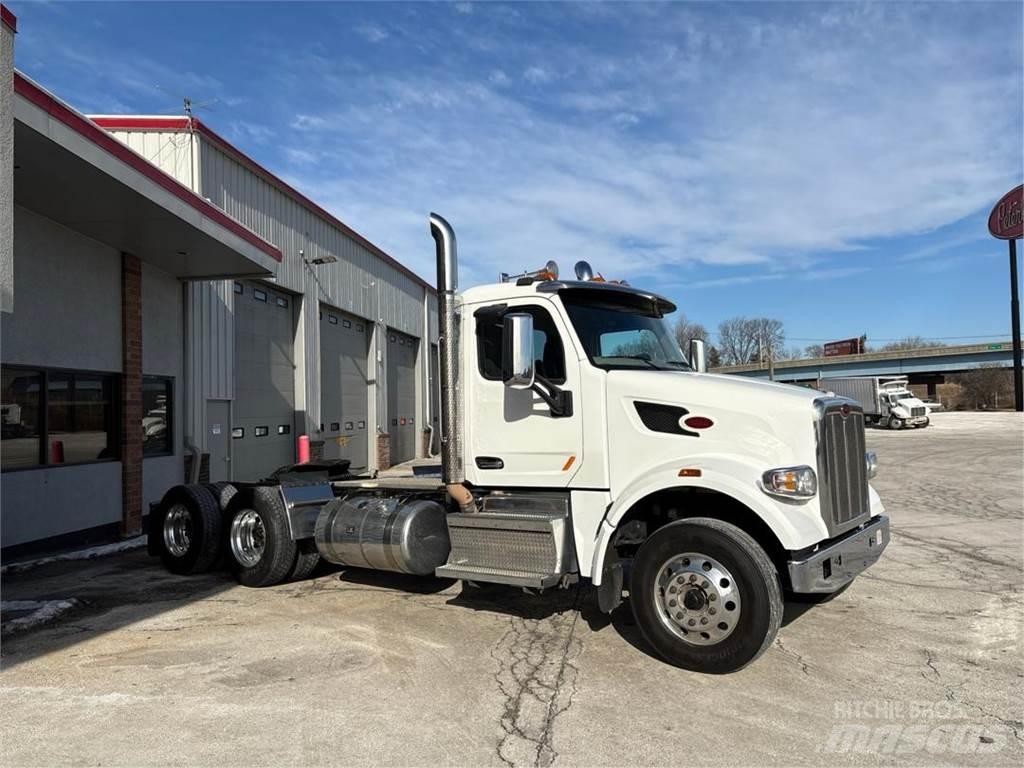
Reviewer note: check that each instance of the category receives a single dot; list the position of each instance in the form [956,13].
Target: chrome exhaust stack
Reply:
[452,467]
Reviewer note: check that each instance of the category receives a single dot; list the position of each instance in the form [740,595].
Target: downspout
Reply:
[452,467]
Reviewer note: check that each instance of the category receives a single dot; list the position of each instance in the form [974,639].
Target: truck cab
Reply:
[577,389]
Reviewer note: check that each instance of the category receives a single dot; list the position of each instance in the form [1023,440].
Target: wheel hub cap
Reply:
[248,538]
[696,599]
[178,530]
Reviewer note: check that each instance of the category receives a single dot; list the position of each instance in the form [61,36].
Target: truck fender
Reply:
[717,473]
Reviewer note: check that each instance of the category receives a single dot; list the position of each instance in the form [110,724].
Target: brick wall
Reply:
[131,395]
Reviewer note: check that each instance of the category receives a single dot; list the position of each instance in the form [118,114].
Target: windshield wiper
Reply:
[646,359]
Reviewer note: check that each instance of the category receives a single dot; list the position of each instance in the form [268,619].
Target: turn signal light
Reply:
[798,482]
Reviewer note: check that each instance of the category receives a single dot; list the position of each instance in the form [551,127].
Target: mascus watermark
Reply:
[908,727]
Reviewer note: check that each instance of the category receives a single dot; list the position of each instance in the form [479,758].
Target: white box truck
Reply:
[886,400]
[579,445]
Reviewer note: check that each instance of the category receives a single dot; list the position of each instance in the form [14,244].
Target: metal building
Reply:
[345,317]
[163,299]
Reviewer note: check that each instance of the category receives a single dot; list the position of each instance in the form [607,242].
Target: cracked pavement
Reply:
[918,663]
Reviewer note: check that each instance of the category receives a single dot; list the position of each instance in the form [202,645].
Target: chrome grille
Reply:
[842,471]
[915,412]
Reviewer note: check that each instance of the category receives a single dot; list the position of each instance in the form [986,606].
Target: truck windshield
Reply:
[622,332]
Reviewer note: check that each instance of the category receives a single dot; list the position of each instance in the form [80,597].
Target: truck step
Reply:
[523,544]
[498,576]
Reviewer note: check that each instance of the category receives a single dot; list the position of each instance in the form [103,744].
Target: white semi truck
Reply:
[579,445]
[886,400]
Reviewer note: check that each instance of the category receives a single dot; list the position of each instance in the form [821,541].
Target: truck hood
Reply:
[772,423]
[713,388]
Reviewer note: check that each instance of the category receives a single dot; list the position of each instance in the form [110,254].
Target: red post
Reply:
[57,452]
[302,448]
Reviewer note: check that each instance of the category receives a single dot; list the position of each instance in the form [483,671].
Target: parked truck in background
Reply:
[886,400]
[578,444]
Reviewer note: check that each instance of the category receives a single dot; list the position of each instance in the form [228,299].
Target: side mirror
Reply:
[698,358]
[517,357]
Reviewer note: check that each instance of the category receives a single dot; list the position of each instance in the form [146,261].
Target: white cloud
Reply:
[536,74]
[463,7]
[308,122]
[372,32]
[772,149]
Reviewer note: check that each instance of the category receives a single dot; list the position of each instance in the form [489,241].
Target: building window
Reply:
[332,319]
[547,344]
[259,295]
[261,431]
[284,429]
[362,425]
[281,301]
[157,415]
[237,433]
[21,410]
[335,426]
[239,288]
[346,323]
[348,426]
[52,418]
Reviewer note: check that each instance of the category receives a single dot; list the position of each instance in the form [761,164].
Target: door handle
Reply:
[489,462]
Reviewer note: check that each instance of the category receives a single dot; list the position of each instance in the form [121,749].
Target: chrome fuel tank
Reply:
[387,534]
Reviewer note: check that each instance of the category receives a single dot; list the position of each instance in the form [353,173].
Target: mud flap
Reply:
[609,593]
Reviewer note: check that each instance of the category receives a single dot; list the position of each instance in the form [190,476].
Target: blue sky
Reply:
[831,165]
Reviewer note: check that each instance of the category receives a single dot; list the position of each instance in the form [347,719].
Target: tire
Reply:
[895,422]
[187,527]
[260,547]
[222,492]
[818,598]
[307,558]
[741,575]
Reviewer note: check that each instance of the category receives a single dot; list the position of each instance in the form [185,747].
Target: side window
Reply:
[547,344]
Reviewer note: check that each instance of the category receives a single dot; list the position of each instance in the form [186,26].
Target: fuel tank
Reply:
[387,534]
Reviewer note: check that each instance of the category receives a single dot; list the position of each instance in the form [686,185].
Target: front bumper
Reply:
[835,564]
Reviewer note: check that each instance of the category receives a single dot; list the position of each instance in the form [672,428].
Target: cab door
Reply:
[513,438]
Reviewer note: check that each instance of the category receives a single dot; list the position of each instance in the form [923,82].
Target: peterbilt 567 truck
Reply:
[578,444]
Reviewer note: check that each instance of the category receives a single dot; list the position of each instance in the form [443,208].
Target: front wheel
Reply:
[895,422]
[706,595]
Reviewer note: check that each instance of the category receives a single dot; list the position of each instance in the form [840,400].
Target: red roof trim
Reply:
[143,123]
[8,18]
[88,129]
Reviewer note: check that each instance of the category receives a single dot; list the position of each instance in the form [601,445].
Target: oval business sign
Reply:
[1007,219]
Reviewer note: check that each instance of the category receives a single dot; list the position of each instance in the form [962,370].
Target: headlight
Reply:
[871,462]
[799,482]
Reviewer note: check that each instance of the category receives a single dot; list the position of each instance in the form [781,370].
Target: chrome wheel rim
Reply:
[248,538]
[178,530]
[696,599]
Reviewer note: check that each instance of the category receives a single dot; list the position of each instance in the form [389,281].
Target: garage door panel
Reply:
[344,386]
[264,405]
[401,384]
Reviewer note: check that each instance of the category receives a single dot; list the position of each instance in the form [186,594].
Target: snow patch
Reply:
[80,554]
[42,612]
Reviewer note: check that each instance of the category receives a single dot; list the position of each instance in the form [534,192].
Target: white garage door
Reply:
[344,391]
[401,385]
[263,413]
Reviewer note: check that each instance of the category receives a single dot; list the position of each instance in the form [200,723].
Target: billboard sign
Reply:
[1007,219]
[845,347]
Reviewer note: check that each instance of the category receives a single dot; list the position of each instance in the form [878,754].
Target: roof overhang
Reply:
[70,170]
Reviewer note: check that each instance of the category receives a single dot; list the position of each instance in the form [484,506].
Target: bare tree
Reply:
[737,343]
[749,340]
[685,331]
[911,342]
[814,350]
[986,386]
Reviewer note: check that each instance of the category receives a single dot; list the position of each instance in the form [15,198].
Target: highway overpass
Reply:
[923,366]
